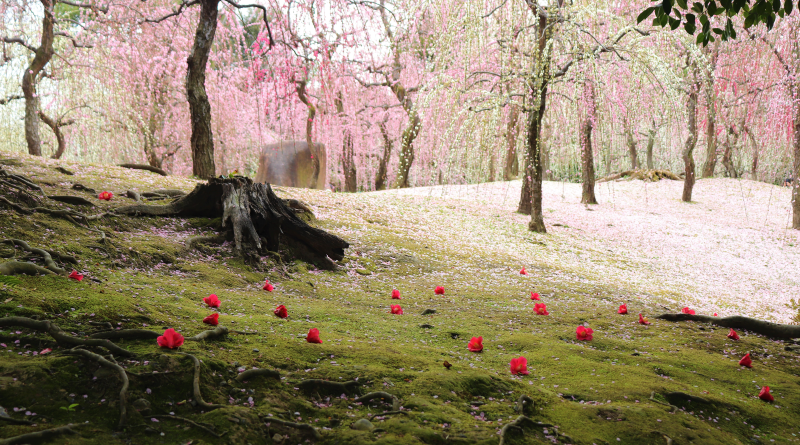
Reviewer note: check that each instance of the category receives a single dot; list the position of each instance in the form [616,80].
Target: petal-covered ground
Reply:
[631,383]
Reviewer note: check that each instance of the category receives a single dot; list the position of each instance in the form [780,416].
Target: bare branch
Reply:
[495,9]
[10,98]
[19,40]
[103,9]
[263,10]
[74,42]
[174,12]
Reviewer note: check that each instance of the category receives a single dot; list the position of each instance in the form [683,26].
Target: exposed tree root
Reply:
[80,187]
[384,396]
[64,171]
[219,331]
[21,268]
[39,436]
[123,393]
[672,407]
[19,179]
[145,167]
[69,199]
[15,421]
[133,334]
[252,373]
[327,388]
[193,241]
[172,193]
[524,405]
[387,413]
[61,338]
[133,195]
[190,422]
[303,427]
[642,174]
[518,425]
[767,328]
[198,397]
[48,259]
[16,207]
[102,324]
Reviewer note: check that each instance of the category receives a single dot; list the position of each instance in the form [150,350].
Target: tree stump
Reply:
[258,219]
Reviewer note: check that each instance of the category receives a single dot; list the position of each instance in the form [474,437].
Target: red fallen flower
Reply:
[765,395]
[396,309]
[281,311]
[475,344]
[523,271]
[623,309]
[212,319]
[541,309]
[106,196]
[45,351]
[170,339]
[212,301]
[313,336]
[715,314]
[733,335]
[584,333]
[439,290]
[75,275]
[396,294]
[746,361]
[686,310]
[268,287]
[519,366]
[535,296]
[643,320]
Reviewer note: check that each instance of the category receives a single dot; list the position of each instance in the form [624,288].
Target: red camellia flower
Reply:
[623,309]
[535,296]
[746,361]
[523,271]
[75,275]
[715,314]
[396,309]
[106,196]
[519,366]
[686,310]
[584,333]
[281,311]
[541,309]
[212,301]
[45,351]
[396,294]
[170,339]
[733,335]
[439,290]
[475,344]
[268,287]
[643,320]
[765,395]
[212,319]
[313,336]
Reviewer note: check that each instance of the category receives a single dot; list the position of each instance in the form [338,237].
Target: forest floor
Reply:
[632,384]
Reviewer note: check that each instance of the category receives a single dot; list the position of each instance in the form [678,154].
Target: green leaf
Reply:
[666,5]
[711,7]
[663,20]
[788,6]
[776,5]
[700,38]
[748,22]
[697,7]
[674,24]
[703,19]
[726,4]
[770,21]
[645,14]
[690,27]
[677,14]
[682,4]
[717,31]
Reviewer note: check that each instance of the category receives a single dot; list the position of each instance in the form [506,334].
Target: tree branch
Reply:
[19,40]
[174,12]
[10,98]
[263,10]
[103,9]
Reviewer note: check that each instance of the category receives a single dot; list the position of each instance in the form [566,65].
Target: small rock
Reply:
[362,425]
[277,438]
[3,412]
[256,350]
[233,419]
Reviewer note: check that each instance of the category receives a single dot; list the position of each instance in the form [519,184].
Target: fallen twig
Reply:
[762,327]
[60,336]
[38,436]
[123,393]
[190,422]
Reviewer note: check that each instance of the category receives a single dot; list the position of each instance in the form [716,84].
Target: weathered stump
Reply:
[258,219]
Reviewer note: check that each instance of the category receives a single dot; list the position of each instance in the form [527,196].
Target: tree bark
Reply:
[30,80]
[727,157]
[407,140]
[631,142]
[754,168]
[796,167]
[711,102]
[56,127]
[511,168]
[651,140]
[300,86]
[199,106]
[587,155]
[348,164]
[691,141]
[383,165]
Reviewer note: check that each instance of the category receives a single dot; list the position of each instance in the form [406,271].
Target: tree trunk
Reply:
[796,169]
[383,165]
[712,52]
[533,170]
[29,80]
[754,168]
[631,142]
[544,150]
[259,220]
[691,141]
[651,140]
[199,108]
[511,168]
[587,155]
[300,87]
[348,164]
[727,157]
[711,145]
[56,127]
[492,167]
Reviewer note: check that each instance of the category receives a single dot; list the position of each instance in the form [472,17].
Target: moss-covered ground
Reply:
[617,388]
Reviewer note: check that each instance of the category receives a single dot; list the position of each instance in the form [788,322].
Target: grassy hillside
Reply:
[632,384]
